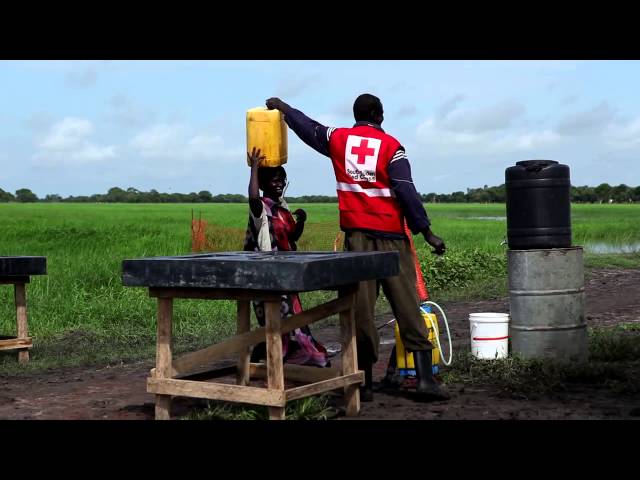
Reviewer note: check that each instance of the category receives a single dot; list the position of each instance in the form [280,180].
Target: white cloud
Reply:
[588,121]
[495,117]
[67,143]
[626,135]
[450,105]
[175,141]
[67,134]
[446,142]
[159,141]
[481,131]
[527,141]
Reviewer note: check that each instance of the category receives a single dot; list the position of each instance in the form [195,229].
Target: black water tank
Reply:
[538,205]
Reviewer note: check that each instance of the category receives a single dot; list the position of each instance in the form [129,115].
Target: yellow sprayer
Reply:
[401,362]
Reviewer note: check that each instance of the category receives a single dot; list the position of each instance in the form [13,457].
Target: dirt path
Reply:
[613,297]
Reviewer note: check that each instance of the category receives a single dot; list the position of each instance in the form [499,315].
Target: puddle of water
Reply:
[609,248]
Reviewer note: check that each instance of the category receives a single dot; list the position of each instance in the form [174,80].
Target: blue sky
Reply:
[81,127]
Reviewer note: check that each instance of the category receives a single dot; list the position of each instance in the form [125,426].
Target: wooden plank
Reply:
[211,374]
[213,294]
[199,361]
[349,353]
[20,294]
[216,391]
[163,355]
[297,373]
[275,374]
[316,313]
[14,343]
[244,325]
[344,381]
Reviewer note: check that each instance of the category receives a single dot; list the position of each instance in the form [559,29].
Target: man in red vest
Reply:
[375,196]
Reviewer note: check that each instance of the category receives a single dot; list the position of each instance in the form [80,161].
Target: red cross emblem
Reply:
[362,151]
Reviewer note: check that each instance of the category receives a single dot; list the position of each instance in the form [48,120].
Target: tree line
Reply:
[603,193]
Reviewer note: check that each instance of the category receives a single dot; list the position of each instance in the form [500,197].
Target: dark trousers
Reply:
[399,290]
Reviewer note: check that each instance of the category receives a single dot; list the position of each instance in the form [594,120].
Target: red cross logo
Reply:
[362,151]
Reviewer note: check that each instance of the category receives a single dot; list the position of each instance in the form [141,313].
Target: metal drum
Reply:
[546,295]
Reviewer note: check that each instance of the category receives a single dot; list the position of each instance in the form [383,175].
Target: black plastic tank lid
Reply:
[536,163]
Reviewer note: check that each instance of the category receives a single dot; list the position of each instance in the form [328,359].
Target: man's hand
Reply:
[301,215]
[274,103]
[255,158]
[435,241]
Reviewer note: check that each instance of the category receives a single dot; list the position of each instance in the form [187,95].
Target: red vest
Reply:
[360,157]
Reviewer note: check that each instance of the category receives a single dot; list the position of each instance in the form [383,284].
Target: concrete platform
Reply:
[266,271]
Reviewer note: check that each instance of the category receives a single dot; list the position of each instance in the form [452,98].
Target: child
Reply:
[272,228]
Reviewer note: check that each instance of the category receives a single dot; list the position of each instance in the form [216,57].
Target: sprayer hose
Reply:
[446,324]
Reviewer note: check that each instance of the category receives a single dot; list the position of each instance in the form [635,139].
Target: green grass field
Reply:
[81,312]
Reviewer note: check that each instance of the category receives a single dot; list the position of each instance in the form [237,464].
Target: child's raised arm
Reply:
[255,204]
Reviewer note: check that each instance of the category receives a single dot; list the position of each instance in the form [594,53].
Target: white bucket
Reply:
[489,335]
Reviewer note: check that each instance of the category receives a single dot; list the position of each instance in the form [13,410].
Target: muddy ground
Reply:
[613,297]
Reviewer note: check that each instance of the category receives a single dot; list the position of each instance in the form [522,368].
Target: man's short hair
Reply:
[364,105]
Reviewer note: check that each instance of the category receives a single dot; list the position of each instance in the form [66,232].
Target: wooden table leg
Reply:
[275,370]
[244,325]
[163,354]
[21,318]
[349,353]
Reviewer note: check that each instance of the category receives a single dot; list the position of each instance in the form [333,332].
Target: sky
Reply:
[82,127]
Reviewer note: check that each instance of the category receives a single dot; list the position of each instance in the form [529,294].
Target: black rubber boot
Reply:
[391,380]
[259,352]
[366,390]
[427,388]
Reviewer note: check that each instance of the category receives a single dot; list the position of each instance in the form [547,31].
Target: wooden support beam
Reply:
[163,355]
[200,361]
[344,381]
[349,353]
[21,319]
[214,294]
[216,391]
[15,343]
[275,396]
[275,374]
[297,373]
[244,325]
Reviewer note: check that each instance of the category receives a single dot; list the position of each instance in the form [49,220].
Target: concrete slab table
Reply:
[17,271]
[247,276]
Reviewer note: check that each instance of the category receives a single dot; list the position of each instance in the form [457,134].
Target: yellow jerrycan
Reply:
[404,359]
[267,131]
